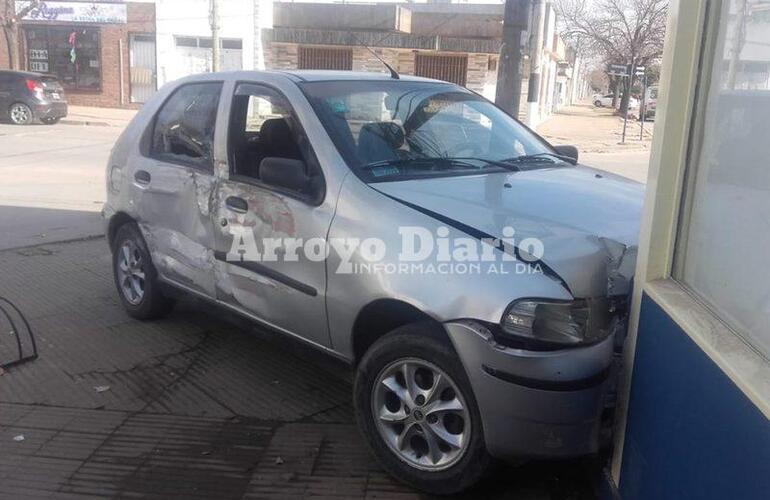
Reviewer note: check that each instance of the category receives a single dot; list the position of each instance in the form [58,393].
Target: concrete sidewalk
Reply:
[594,130]
[105,117]
[597,133]
[197,405]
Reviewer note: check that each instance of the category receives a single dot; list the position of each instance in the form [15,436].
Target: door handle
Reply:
[238,205]
[142,177]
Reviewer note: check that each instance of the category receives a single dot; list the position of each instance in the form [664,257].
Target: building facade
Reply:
[185,42]
[695,418]
[102,52]
[124,50]
[459,43]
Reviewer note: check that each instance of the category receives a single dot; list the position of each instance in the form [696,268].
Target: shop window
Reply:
[232,44]
[72,53]
[184,127]
[724,237]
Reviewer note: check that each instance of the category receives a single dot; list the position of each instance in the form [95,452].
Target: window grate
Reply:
[325,58]
[442,67]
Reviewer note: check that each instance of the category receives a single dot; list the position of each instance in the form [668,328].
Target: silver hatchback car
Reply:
[476,277]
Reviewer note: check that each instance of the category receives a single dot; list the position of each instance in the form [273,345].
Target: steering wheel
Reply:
[467,148]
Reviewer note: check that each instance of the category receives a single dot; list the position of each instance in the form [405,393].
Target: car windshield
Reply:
[395,130]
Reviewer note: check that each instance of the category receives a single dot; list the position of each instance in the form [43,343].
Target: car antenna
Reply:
[393,73]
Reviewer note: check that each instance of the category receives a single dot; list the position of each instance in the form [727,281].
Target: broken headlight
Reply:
[559,323]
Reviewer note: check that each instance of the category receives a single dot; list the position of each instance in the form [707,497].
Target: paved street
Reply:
[199,404]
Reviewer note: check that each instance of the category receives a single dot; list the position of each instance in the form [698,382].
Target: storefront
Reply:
[102,52]
[695,419]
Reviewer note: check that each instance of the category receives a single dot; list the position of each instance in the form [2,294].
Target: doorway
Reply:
[142,67]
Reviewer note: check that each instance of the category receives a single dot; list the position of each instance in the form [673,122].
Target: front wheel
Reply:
[50,121]
[417,411]
[598,103]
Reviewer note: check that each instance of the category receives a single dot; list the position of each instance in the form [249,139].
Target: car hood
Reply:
[588,220]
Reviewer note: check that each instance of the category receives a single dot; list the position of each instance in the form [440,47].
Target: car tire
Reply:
[20,114]
[598,104]
[417,349]
[136,277]
[50,121]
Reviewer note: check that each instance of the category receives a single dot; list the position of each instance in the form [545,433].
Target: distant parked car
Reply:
[601,100]
[26,97]
[605,100]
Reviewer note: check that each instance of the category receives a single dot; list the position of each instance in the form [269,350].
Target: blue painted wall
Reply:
[691,432]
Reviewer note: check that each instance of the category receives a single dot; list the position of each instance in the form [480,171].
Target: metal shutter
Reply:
[442,67]
[325,58]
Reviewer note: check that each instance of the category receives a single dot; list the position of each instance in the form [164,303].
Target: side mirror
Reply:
[285,173]
[568,151]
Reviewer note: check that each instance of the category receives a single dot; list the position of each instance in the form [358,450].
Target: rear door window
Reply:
[184,126]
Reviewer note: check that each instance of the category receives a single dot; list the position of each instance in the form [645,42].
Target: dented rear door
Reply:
[173,187]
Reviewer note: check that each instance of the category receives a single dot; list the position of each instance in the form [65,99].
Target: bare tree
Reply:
[9,20]
[617,32]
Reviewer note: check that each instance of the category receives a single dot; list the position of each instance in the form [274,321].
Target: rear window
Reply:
[51,82]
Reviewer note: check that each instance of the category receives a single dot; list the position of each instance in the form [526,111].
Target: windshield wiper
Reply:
[439,161]
[540,156]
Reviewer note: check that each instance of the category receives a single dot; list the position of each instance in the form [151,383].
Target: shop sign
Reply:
[75,12]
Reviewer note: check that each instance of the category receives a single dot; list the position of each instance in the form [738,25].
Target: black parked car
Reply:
[25,97]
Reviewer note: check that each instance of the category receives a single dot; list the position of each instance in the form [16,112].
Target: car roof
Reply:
[310,76]
[25,74]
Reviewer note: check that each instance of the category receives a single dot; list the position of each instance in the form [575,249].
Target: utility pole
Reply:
[535,61]
[739,38]
[515,21]
[215,44]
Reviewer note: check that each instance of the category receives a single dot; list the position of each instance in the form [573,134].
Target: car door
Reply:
[173,183]
[280,290]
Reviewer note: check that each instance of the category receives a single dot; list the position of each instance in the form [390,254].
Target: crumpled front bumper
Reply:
[534,404]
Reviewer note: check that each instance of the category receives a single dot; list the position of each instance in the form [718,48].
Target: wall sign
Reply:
[75,12]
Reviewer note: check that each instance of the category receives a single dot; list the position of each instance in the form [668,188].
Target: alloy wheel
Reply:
[131,272]
[421,414]
[20,114]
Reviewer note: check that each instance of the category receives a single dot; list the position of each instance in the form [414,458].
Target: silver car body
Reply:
[533,403]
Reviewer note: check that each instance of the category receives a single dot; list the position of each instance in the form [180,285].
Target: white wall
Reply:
[191,18]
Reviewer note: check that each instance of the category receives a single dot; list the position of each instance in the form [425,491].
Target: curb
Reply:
[87,123]
[88,237]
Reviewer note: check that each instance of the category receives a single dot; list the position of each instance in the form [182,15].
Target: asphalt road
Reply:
[52,182]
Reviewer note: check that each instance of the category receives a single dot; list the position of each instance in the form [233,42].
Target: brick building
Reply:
[454,42]
[103,52]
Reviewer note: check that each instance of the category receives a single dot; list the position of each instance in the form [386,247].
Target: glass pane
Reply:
[184,127]
[421,129]
[723,249]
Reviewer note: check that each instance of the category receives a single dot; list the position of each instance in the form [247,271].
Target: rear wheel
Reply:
[598,103]
[20,114]
[50,121]
[135,276]
[415,407]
